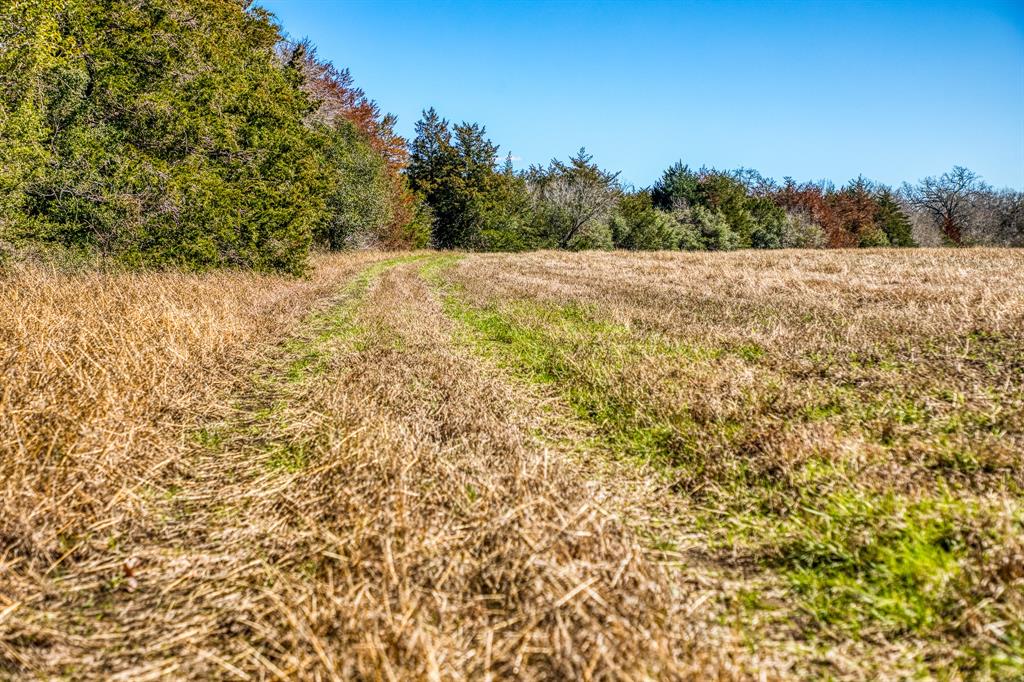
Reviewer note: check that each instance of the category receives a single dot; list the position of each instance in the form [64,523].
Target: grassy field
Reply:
[756,465]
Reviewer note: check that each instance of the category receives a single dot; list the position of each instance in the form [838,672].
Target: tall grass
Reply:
[850,423]
[104,373]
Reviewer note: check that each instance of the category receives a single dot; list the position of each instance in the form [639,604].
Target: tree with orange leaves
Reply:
[370,200]
[336,97]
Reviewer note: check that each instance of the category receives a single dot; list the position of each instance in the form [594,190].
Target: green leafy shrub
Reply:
[690,237]
[357,188]
[873,237]
[637,225]
[593,236]
[711,226]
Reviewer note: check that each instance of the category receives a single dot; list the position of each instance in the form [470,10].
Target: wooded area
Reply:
[197,134]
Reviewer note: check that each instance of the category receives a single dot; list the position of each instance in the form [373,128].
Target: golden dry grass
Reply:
[848,423]
[539,466]
[104,377]
[104,373]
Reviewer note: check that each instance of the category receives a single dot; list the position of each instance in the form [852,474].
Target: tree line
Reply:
[479,202]
[193,133]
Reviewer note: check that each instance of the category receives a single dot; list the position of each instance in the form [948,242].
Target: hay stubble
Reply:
[236,476]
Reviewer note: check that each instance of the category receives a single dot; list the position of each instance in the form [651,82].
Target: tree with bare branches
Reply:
[949,200]
[572,199]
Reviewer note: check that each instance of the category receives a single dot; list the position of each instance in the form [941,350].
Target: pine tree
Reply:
[431,155]
[678,187]
[472,203]
[892,219]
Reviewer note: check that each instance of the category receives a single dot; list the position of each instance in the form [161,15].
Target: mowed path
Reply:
[540,466]
[382,504]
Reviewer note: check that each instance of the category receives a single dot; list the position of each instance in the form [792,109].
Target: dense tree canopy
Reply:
[578,205]
[174,132]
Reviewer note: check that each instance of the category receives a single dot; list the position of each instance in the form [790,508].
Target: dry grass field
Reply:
[756,465]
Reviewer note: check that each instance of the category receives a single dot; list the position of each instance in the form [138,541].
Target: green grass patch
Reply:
[876,561]
[551,352]
[211,437]
[290,457]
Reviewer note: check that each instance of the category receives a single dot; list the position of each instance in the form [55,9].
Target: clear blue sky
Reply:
[813,90]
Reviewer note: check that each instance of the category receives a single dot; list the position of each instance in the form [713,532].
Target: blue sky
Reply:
[813,90]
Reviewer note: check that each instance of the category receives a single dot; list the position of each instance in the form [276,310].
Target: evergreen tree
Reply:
[431,155]
[678,187]
[176,137]
[473,204]
[769,223]
[892,219]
